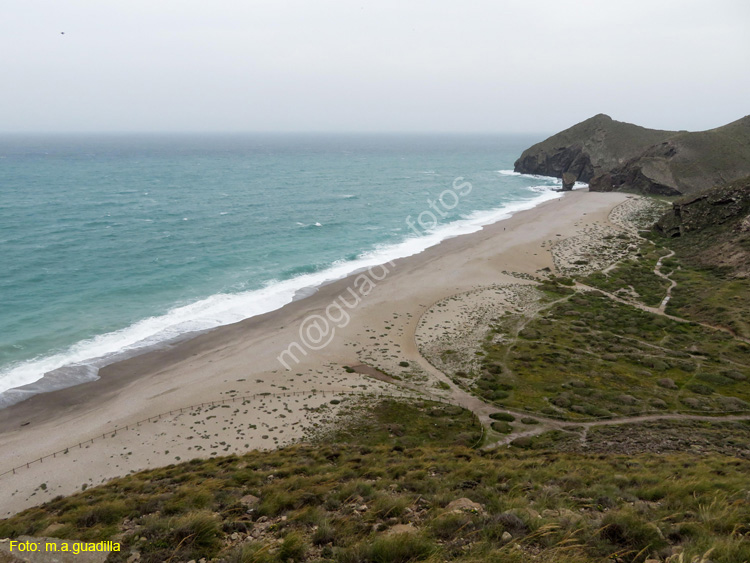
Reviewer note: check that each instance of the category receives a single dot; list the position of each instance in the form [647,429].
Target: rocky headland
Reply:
[616,156]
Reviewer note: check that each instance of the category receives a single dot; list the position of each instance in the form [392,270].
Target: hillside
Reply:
[685,163]
[722,210]
[386,492]
[615,156]
[618,431]
[588,149]
[710,232]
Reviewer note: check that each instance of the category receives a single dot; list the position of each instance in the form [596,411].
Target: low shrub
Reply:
[293,548]
[198,532]
[502,427]
[399,548]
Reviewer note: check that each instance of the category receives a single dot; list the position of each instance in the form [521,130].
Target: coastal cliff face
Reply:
[715,224]
[615,156]
[711,208]
[588,149]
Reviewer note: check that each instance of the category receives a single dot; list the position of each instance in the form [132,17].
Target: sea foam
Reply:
[82,361]
[100,242]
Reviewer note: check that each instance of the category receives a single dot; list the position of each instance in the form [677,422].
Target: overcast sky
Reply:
[381,65]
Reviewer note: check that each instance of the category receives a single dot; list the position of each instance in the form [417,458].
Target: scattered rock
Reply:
[250,501]
[465,505]
[512,523]
[532,513]
[400,529]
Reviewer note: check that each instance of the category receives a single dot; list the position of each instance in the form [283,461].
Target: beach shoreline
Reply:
[66,368]
[242,359]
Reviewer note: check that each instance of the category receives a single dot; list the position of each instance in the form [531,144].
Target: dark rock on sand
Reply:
[569,179]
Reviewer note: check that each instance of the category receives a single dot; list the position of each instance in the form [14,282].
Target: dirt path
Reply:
[672,283]
[586,426]
[456,394]
[483,410]
[658,311]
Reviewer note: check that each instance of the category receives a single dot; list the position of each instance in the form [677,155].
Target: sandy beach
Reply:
[227,392]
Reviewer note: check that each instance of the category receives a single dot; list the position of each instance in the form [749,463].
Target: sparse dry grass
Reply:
[337,502]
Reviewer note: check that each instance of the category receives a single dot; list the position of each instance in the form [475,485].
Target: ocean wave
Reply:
[81,362]
[537,177]
[549,179]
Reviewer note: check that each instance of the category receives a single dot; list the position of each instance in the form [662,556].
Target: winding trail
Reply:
[585,426]
[672,283]
[659,311]
[483,410]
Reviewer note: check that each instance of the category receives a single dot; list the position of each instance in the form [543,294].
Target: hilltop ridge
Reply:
[588,149]
[616,156]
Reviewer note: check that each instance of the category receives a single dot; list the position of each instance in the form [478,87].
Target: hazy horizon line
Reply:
[262,132]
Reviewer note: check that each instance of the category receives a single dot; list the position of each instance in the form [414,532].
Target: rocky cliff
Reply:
[616,156]
[715,224]
[588,149]
[709,208]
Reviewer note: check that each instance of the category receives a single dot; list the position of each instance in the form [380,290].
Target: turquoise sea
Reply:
[113,243]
